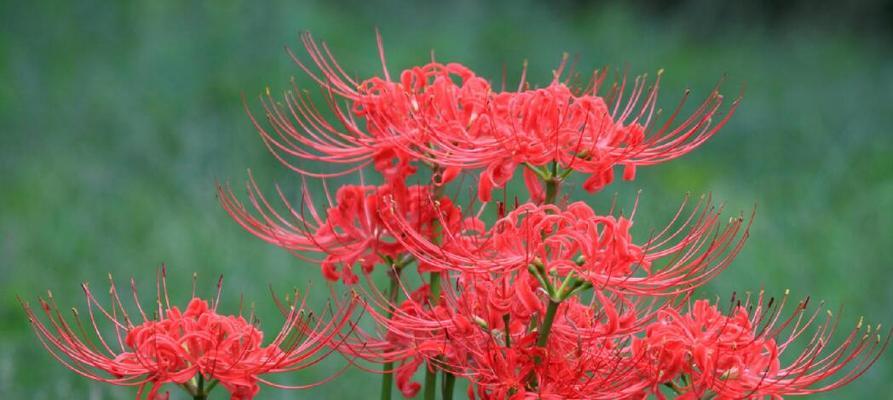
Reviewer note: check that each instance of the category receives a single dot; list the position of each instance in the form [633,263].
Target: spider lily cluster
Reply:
[197,348]
[538,297]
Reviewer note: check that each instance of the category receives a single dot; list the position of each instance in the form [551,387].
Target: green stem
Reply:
[546,327]
[430,382]
[543,336]
[434,286]
[431,373]
[673,387]
[449,382]
[538,270]
[437,231]
[387,380]
[552,183]
[551,191]
[387,377]
[200,392]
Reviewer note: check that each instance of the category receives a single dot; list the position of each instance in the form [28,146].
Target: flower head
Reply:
[446,116]
[742,354]
[575,241]
[487,328]
[196,348]
[351,232]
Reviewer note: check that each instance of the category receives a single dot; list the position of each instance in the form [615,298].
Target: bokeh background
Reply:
[117,118]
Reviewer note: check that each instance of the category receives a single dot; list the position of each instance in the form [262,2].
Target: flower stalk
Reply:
[200,393]
[174,344]
[449,382]
[546,326]
[387,376]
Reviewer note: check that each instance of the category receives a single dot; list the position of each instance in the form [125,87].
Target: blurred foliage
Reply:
[118,118]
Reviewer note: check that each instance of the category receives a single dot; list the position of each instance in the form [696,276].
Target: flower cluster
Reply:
[445,116]
[739,355]
[542,297]
[353,233]
[549,299]
[196,348]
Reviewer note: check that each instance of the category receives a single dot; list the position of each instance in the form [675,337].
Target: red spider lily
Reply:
[197,348]
[485,330]
[740,355]
[384,118]
[351,232]
[576,129]
[448,117]
[412,333]
[586,370]
[418,332]
[584,355]
[300,130]
[581,361]
[557,243]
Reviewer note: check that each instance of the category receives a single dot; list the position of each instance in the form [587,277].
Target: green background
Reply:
[117,119]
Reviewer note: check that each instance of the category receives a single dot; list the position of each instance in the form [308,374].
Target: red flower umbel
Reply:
[351,232]
[557,242]
[490,329]
[740,355]
[446,116]
[196,348]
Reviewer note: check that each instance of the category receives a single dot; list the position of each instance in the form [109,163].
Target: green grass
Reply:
[118,119]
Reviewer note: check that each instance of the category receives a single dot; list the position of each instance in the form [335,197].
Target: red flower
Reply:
[196,348]
[572,126]
[575,241]
[387,121]
[351,232]
[739,355]
[583,358]
[485,329]
[415,332]
[447,116]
